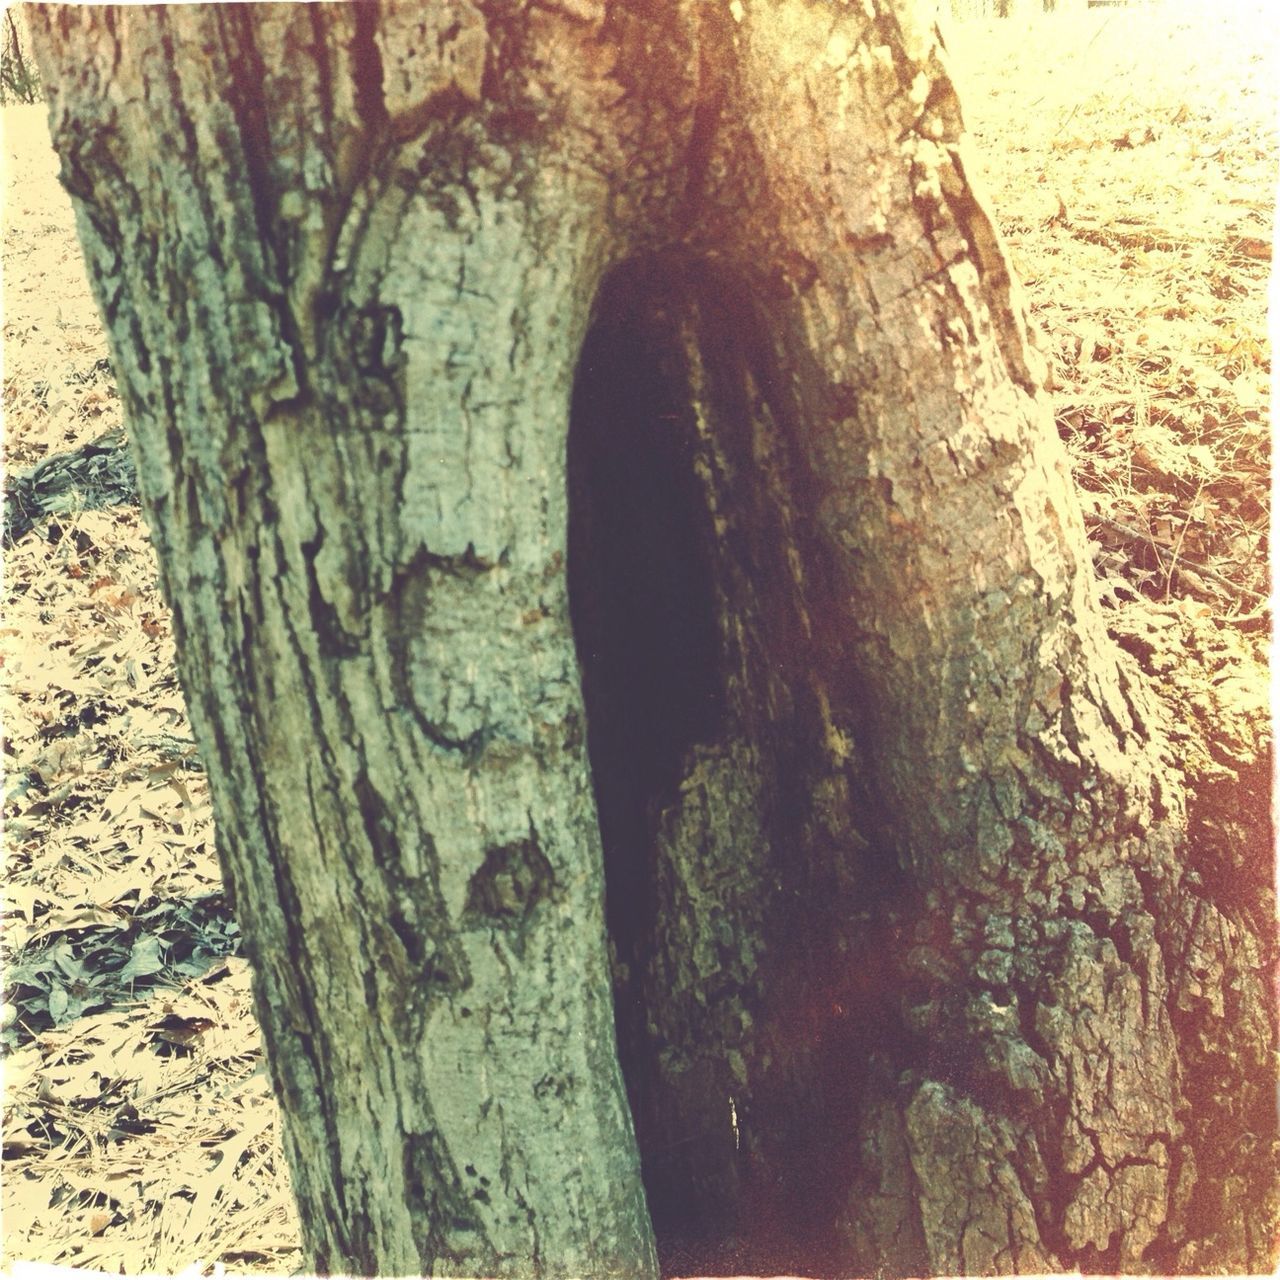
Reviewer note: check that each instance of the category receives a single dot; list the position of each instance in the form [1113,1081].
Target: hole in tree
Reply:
[641,582]
[641,587]
[706,642]
[645,609]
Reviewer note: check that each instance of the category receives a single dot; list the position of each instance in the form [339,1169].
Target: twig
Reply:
[1177,546]
[1203,570]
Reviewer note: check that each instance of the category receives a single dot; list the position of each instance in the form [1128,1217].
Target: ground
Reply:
[1130,158]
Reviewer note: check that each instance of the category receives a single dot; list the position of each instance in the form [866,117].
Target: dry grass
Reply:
[1131,160]
[1132,164]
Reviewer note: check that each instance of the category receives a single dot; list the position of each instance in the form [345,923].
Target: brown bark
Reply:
[909,951]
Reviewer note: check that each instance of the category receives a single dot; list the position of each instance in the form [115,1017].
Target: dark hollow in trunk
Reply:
[647,625]
[643,596]
[739,896]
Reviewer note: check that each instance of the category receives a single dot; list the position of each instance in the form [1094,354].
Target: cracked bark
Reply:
[590,446]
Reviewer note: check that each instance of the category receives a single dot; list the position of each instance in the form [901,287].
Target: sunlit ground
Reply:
[1130,158]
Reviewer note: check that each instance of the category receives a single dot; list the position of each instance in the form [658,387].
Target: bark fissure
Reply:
[367,74]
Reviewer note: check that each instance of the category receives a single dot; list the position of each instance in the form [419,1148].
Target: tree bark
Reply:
[598,448]
[344,358]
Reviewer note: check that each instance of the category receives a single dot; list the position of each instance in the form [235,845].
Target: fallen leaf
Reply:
[144,959]
[1252,247]
[180,1031]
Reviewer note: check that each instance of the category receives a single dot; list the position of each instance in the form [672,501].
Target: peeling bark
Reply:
[597,452]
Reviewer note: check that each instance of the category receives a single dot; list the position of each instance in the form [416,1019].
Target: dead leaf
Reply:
[1252,247]
[183,1032]
[144,959]
[73,919]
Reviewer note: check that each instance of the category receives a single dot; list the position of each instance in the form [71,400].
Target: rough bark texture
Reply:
[574,427]
[346,309]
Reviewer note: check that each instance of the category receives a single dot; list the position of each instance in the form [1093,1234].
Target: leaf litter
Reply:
[140,1134]
[1130,156]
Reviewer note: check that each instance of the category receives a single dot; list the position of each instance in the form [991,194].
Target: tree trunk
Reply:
[598,450]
